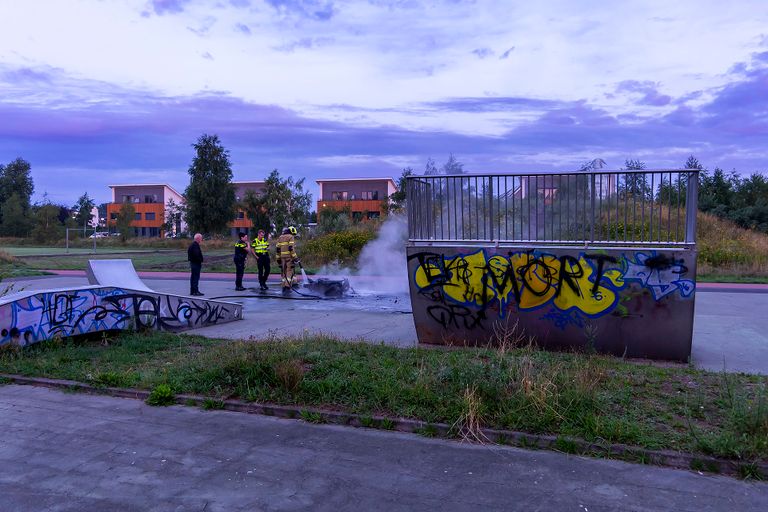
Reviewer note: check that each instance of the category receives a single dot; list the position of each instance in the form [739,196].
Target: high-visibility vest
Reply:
[260,246]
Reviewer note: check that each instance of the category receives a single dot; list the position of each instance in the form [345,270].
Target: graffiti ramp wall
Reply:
[31,317]
[633,302]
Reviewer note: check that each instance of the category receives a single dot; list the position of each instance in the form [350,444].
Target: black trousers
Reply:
[194,278]
[239,271]
[262,262]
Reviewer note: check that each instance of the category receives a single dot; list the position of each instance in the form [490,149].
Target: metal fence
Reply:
[649,207]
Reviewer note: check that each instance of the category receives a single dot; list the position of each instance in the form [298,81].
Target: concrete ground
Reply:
[730,328]
[73,452]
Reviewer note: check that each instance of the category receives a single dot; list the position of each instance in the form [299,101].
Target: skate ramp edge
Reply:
[119,273]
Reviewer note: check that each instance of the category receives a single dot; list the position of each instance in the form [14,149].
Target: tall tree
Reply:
[283,202]
[83,211]
[15,221]
[124,219]
[174,213]
[397,199]
[16,178]
[210,195]
[453,166]
[47,227]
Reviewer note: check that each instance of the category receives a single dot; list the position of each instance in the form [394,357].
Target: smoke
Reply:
[382,267]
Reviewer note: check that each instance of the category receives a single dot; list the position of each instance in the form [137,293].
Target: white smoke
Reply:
[382,267]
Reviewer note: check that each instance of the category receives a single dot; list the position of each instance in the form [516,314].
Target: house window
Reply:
[128,199]
[240,215]
[373,215]
[113,215]
[149,216]
[137,216]
[339,196]
[154,232]
[152,198]
[371,195]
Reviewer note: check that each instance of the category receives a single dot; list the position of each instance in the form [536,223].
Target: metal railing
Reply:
[648,207]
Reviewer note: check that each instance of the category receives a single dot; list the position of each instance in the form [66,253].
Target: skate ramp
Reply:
[118,273]
[117,300]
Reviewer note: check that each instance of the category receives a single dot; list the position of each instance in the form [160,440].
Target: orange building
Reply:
[149,203]
[242,223]
[363,196]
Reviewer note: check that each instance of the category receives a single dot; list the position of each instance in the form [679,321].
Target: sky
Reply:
[100,92]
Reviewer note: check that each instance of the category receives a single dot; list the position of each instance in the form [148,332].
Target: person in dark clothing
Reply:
[260,247]
[195,257]
[241,253]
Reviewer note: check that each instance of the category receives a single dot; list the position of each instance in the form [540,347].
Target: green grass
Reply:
[596,398]
[48,251]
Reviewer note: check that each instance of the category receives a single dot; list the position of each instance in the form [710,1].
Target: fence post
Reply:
[691,206]
[490,206]
[592,209]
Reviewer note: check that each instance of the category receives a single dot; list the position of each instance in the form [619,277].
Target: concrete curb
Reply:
[664,458]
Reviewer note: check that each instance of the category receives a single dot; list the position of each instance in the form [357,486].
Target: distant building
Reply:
[242,222]
[364,197]
[149,204]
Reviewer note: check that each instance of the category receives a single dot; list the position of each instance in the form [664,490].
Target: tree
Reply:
[15,178]
[124,219]
[83,208]
[430,168]
[47,226]
[333,220]
[397,199]
[635,184]
[174,213]
[210,195]
[282,203]
[453,166]
[15,219]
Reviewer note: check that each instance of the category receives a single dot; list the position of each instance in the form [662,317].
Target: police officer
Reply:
[241,253]
[286,257]
[260,248]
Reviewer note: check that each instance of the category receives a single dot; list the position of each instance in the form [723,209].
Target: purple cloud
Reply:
[648,91]
[242,27]
[483,53]
[96,131]
[162,7]
[313,9]
[506,53]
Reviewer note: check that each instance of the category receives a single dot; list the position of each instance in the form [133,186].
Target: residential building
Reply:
[242,223]
[149,204]
[364,197]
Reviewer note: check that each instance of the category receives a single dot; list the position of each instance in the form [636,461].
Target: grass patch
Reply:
[571,396]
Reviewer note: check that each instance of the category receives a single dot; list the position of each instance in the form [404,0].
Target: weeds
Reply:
[289,374]
[162,395]
[469,425]
[312,417]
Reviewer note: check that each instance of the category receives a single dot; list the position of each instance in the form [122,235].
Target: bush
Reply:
[161,395]
[342,246]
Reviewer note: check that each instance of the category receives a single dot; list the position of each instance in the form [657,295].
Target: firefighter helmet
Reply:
[292,230]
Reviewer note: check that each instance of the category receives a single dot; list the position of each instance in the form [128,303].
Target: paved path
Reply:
[73,452]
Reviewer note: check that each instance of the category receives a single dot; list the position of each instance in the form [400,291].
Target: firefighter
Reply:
[286,257]
[260,246]
[241,253]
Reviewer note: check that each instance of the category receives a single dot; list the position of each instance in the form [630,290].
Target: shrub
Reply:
[342,246]
[161,395]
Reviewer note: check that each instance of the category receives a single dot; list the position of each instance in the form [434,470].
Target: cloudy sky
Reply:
[96,92]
